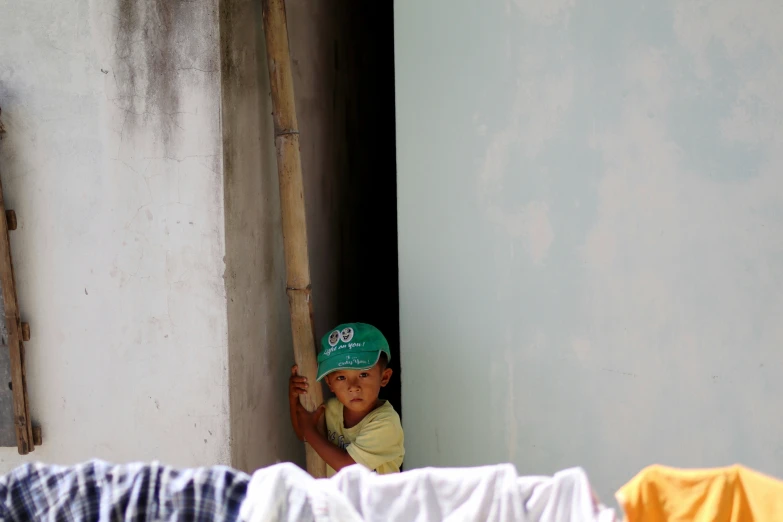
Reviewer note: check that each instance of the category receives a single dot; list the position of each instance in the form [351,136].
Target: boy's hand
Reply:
[297,385]
[308,421]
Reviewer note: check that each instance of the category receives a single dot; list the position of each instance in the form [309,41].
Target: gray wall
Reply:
[259,332]
[591,224]
[113,163]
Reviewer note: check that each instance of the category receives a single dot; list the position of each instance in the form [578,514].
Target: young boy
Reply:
[360,428]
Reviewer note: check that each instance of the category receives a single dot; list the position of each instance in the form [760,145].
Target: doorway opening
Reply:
[368,276]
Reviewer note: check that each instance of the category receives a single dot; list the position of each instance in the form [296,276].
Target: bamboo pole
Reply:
[289,170]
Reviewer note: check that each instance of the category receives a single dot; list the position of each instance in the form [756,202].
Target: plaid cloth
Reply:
[99,491]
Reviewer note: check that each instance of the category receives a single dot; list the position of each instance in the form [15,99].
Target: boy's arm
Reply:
[293,403]
[334,456]
[297,386]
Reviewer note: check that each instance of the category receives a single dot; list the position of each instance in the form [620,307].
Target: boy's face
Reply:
[358,390]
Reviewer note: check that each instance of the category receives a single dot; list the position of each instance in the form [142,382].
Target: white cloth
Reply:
[286,493]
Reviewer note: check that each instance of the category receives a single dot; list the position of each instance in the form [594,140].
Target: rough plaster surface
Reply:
[320,38]
[113,164]
[591,214]
[258,319]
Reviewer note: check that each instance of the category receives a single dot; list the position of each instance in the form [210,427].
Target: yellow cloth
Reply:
[730,494]
[377,442]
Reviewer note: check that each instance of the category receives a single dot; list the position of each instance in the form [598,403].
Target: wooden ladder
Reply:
[27,437]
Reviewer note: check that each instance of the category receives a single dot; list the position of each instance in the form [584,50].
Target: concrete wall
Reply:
[591,214]
[113,163]
[259,333]
[319,35]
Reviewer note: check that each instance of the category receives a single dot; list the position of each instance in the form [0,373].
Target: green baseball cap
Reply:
[351,346]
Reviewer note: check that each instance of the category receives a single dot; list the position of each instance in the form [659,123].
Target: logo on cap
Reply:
[347,334]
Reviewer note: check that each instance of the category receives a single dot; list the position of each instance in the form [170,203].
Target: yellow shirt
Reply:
[377,442]
[730,494]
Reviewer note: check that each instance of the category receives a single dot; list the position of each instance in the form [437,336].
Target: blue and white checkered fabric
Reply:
[99,491]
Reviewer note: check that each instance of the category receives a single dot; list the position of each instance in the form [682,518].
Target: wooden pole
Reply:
[17,332]
[289,170]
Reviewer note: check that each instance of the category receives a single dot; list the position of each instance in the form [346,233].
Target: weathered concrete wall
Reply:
[319,38]
[113,163]
[260,351]
[590,233]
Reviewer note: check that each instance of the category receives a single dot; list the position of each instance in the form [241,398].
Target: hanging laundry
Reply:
[285,493]
[104,492]
[729,494]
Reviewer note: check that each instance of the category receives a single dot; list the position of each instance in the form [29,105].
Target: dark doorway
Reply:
[369,278]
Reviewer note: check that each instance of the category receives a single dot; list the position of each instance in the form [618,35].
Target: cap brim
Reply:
[347,361]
